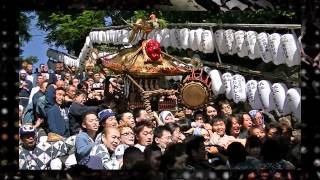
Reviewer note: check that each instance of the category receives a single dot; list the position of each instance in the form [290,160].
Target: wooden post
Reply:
[135,83]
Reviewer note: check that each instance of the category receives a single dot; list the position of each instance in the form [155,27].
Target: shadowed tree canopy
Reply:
[24,29]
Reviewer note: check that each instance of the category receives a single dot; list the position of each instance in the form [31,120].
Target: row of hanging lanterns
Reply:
[259,94]
[275,48]
[61,57]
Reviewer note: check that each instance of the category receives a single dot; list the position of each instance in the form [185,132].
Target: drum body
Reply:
[194,95]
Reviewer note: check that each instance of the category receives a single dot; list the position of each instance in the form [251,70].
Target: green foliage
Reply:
[70,30]
[30,59]
[24,29]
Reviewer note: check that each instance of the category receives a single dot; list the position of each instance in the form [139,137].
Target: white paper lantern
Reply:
[66,61]
[226,79]
[113,38]
[191,40]
[124,36]
[238,85]
[294,98]
[230,41]
[263,45]
[197,40]
[279,91]
[266,96]
[239,41]
[216,82]
[88,42]
[118,35]
[77,63]
[253,94]
[184,37]
[207,42]
[80,55]
[99,40]
[175,38]
[250,41]
[290,50]
[91,36]
[274,42]
[220,40]
[96,36]
[165,41]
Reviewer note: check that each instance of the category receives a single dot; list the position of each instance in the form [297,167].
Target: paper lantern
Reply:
[238,85]
[226,79]
[266,96]
[253,94]
[279,91]
[175,38]
[274,42]
[88,42]
[290,50]
[191,40]
[124,36]
[165,40]
[111,36]
[220,40]
[91,36]
[207,41]
[100,37]
[230,41]
[250,41]
[66,61]
[239,41]
[294,98]
[184,35]
[197,40]
[96,36]
[263,45]
[216,82]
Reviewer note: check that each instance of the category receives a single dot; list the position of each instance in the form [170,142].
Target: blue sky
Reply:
[37,45]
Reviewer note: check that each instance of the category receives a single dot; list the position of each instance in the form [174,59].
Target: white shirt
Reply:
[32,93]
[221,140]
[139,146]
[29,77]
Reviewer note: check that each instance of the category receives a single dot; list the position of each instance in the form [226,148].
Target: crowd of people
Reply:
[70,119]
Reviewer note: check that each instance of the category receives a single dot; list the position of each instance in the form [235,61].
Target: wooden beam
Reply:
[135,83]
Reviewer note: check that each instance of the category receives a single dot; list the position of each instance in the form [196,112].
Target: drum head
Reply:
[194,95]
